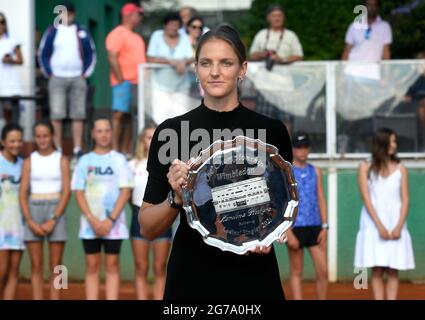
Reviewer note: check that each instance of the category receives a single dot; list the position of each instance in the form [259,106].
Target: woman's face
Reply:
[147,138]
[102,133]
[13,143]
[218,68]
[195,29]
[172,28]
[43,138]
[392,148]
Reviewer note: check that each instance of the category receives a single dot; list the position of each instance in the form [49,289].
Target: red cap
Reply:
[130,8]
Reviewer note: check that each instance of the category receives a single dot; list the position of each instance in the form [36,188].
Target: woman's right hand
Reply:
[7,59]
[36,228]
[177,177]
[383,232]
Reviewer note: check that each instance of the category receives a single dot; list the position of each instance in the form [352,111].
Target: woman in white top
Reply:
[170,83]
[10,57]
[141,245]
[102,182]
[383,241]
[44,195]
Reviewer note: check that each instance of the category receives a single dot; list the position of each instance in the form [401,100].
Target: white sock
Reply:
[76,150]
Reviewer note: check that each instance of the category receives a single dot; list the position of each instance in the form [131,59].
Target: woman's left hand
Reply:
[48,226]
[261,250]
[321,239]
[283,238]
[266,250]
[395,234]
[105,227]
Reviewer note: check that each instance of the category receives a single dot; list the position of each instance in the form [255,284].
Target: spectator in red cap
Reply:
[126,50]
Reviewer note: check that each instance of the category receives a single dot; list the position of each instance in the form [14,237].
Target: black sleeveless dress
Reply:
[197,271]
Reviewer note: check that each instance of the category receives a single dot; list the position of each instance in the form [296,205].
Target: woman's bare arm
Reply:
[156,219]
[404,197]
[321,196]
[364,192]
[24,188]
[66,188]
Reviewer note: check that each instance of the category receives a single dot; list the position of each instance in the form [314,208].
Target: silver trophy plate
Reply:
[240,194]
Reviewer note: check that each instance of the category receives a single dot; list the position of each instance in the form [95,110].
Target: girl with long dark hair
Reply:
[383,241]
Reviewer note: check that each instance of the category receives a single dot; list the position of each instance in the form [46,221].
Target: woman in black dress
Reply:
[195,269]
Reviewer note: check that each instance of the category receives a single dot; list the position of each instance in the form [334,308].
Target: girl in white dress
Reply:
[383,241]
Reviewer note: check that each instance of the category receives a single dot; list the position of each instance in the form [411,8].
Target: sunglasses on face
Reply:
[196,27]
[3,22]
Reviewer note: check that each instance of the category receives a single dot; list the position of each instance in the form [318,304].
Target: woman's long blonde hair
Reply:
[140,152]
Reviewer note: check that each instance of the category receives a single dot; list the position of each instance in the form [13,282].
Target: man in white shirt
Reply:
[372,43]
[276,43]
[67,57]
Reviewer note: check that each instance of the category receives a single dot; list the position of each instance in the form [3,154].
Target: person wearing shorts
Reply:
[126,50]
[67,57]
[44,195]
[310,228]
[141,246]
[94,246]
[102,183]
[11,227]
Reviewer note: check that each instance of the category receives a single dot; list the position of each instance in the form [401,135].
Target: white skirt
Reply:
[372,251]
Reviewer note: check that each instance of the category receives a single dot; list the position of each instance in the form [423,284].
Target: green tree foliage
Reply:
[408,32]
[321,25]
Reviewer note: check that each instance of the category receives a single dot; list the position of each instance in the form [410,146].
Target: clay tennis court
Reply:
[337,291]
